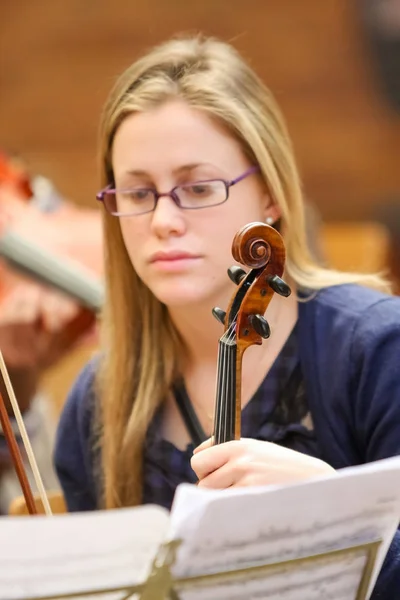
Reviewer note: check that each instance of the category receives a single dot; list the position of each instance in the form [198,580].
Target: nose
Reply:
[167,218]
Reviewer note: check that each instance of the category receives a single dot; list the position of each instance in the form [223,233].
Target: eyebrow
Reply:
[182,169]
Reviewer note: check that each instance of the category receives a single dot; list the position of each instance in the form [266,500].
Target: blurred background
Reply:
[333,65]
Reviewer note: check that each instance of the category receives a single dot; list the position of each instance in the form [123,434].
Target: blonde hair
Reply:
[143,349]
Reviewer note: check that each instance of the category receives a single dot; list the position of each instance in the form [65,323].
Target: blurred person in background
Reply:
[34,318]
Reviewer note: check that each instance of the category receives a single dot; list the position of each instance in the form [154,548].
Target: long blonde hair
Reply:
[141,347]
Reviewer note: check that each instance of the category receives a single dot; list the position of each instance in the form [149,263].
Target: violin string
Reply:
[222,388]
[215,433]
[223,395]
[219,387]
[25,438]
[228,409]
[221,392]
[223,415]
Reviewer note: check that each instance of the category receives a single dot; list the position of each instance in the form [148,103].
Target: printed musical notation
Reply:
[282,544]
[235,528]
[326,578]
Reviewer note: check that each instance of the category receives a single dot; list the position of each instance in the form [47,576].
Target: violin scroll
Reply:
[260,247]
[251,247]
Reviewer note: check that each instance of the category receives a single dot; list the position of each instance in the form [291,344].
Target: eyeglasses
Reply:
[191,196]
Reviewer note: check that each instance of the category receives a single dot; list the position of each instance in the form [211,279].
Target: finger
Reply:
[206,444]
[56,311]
[220,479]
[19,346]
[21,306]
[212,458]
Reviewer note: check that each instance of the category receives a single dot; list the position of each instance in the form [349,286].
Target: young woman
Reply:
[193,147]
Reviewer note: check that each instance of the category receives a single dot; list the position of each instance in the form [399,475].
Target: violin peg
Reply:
[260,325]
[236,274]
[219,314]
[279,286]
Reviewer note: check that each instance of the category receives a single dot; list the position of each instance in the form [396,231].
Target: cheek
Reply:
[222,231]
[133,243]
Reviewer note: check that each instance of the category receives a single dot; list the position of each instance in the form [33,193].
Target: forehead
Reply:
[172,135]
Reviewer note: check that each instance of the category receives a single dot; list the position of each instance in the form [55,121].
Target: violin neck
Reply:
[228,398]
[65,275]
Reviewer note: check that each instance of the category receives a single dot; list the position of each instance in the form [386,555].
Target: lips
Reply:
[172,255]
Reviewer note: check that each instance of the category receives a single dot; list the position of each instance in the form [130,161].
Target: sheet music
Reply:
[235,528]
[327,579]
[220,530]
[79,552]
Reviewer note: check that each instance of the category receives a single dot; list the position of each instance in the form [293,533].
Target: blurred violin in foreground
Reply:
[48,244]
[50,291]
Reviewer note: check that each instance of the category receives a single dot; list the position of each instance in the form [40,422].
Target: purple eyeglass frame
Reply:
[172,194]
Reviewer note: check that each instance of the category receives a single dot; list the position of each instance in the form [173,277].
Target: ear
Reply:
[272,213]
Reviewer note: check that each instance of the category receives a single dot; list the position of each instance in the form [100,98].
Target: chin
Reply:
[181,296]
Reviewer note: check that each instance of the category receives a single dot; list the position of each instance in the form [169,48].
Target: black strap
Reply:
[189,416]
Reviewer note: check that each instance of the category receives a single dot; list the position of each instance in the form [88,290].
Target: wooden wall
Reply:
[59,58]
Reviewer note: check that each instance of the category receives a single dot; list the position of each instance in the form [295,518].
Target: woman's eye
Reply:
[138,195]
[200,189]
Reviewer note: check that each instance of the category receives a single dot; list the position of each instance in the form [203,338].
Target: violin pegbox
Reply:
[261,248]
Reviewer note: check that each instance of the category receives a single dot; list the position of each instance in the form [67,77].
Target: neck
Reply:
[199,330]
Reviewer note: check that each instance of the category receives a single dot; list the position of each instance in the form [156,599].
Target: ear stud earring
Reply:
[269,220]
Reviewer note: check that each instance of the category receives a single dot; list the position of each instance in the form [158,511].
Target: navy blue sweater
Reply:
[349,345]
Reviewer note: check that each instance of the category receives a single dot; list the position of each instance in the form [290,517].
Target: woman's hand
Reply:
[248,462]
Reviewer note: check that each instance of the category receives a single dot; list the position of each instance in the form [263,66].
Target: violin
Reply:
[47,240]
[260,247]
[41,233]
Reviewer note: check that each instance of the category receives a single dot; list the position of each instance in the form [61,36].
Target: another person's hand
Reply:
[31,321]
[30,318]
[249,462]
